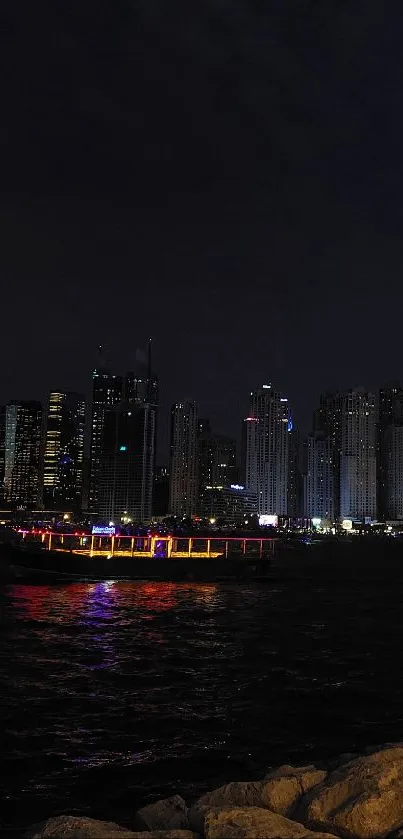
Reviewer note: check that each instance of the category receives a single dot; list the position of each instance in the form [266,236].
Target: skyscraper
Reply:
[107,391]
[2,451]
[328,425]
[127,463]
[216,458]
[294,489]
[64,451]
[393,472]
[22,454]
[390,421]
[267,450]
[183,459]
[358,455]
[318,480]
[123,443]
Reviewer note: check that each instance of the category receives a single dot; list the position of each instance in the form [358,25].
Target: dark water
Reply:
[113,694]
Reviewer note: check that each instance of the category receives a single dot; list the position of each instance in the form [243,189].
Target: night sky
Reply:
[224,175]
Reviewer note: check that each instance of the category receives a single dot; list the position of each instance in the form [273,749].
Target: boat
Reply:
[28,562]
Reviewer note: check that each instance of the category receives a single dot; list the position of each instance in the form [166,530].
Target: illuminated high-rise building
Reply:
[358,455]
[216,458]
[393,472]
[123,443]
[348,421]
[318,479]
[107,391]
[267,441]
[2,451]
[125,487]
[64,451]
[390,422]
[22,454]
[183,459]
[328,425]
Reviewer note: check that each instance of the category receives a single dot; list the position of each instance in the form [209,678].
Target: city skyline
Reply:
[349,466]
[231,421]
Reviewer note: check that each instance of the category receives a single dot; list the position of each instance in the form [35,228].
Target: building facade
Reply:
[127,458]
[64,451]
[230,504]
[267,431]
[113,397]
[393,472]
[358,455]
[23,454]
[318,479]
[216,458]
[328,425]
[107,391]
[183,485]
[390,419]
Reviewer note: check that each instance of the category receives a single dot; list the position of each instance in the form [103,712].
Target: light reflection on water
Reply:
[117,692]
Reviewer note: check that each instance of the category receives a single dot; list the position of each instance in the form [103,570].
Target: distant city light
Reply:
[99,530]
[268,521]
[237,486]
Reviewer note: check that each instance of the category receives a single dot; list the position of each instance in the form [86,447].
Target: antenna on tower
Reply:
[149,372]
[101,356]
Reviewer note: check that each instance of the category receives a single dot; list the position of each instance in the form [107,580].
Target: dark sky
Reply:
[224,175]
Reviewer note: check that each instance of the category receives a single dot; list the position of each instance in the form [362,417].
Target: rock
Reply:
[284,787]
[78,828]
[362,799]
[73,827]
[280,791]
[346,757]
[166,814]
[254,823]
[235,794]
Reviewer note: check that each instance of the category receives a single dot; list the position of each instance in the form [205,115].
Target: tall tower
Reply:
[318,480]
[358,455]
[216,456]
[64,451]
[127,463]
[388,450]
[107,391]
[328,425]
[267,450]
[22,453]
[124,414]
[183,463]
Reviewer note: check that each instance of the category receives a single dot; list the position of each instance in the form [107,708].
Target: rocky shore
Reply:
[353,797]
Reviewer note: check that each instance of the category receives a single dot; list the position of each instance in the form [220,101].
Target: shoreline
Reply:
[350,797]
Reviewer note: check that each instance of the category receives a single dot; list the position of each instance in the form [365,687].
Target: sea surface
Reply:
[114,694]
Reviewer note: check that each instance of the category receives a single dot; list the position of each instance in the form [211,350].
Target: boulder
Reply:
[336,762]
[280,791]
[166,814]
[74,827]
[254,823]
[362,799]
[284,787]
[77,828]
[235,794]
